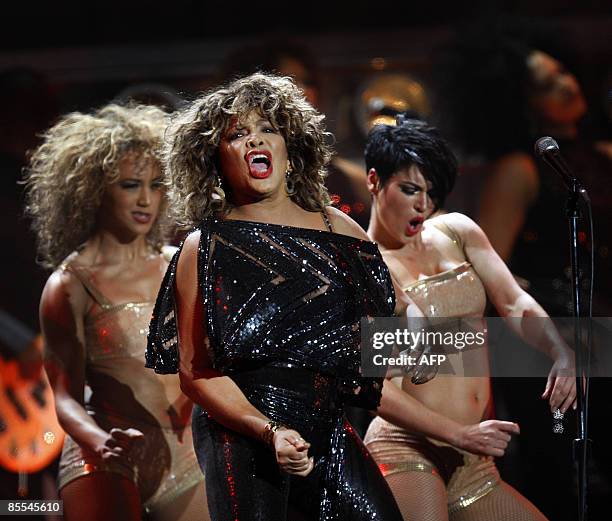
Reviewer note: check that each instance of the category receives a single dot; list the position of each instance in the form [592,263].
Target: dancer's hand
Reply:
[292,452]
[561,384]
[489,438]
[120,443]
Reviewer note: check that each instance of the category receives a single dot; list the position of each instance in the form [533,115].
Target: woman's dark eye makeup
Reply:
[234,134]
[129,184]
[410,189]
[239,132]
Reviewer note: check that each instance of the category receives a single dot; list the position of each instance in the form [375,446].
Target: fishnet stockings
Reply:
[503,503]
[422,496]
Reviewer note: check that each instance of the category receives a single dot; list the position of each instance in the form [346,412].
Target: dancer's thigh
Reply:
[420,496]
[191,505]
[503,503]
[101,496]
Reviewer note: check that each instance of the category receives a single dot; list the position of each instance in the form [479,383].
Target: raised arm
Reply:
[62,308]
[512,302]
[216,393]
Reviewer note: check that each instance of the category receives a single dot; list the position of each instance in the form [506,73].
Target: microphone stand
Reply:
[581,443]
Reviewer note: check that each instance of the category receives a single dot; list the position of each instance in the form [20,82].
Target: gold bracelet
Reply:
[268,432]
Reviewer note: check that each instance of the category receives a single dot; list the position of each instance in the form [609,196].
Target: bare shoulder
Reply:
[459,223]
[63,307]
[186,271]
[343,224]
[191,243]
[453,219]
[63,298]
[168,251]
[515,173]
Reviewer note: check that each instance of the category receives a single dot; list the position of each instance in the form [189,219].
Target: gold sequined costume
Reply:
[467,477]
[474,489]
[124,394]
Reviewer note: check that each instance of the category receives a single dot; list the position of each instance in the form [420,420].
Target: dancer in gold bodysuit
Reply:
[445,469]
[95,195]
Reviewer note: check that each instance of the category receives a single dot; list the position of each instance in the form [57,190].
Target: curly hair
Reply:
[69,172]
[193,137]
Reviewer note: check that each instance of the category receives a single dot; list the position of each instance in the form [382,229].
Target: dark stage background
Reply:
[59,57]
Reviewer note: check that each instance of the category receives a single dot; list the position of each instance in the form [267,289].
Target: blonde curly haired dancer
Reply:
[95,194]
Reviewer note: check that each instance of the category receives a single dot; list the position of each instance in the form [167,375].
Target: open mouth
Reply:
[414,226]
[260,163]
[141,217]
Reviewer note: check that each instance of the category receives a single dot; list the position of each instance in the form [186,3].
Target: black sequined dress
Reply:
[283,306]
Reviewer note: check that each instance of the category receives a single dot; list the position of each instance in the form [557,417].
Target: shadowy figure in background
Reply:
[500,94]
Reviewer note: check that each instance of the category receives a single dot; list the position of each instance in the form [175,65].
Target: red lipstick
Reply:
[414,226]
[260,163]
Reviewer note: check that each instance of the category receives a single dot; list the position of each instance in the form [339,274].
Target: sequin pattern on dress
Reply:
[283,307]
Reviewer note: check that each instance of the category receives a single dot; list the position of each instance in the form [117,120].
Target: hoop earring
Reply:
[218,194]
[289,183]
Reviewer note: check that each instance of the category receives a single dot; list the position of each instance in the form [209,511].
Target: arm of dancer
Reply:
[219,394]
[512,302]
[509,192]
[489,437]
[62,307]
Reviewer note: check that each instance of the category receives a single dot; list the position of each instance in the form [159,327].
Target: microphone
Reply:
[548,150]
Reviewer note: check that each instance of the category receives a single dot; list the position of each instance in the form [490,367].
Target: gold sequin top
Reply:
[115,343]
[456,292]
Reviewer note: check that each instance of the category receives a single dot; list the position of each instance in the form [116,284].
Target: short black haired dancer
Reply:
[444,468]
